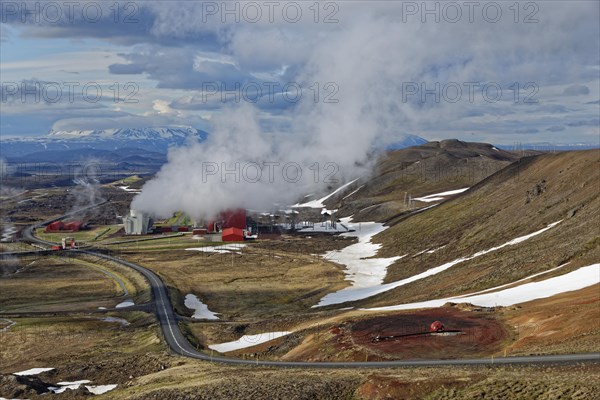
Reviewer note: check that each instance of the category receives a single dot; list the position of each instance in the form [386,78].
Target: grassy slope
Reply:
[65,284]
[492,213]
[246,284]
[43,284]
[191,380]
[431,168]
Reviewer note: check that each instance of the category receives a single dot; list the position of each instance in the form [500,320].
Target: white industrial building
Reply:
[137,223]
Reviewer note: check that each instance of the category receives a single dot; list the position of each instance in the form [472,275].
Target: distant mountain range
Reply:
[114,144]
[549,147]
[176,133]
[73,145]
[137,145]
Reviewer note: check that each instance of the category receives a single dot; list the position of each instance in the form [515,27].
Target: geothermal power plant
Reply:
[237,225]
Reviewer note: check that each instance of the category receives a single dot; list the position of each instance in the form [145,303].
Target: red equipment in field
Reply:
[436,326]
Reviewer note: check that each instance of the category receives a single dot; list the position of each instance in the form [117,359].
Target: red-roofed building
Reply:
[233,235]
[228,219]
[59,226]
[73,226]
[55,226]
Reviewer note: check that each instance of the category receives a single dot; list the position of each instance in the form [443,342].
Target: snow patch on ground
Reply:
[421,252]
[371,287]
[64,386]
[9,322]
[128,189]
[493,289]
[32,371]
[81,382]
[121,321]
[247,341]
[439,196]
[434,250]
[100,389]
[126,303]
[575,280]
[201,310]
[319,203]
[225,248]
[348,195]
[365,273]
[94,389]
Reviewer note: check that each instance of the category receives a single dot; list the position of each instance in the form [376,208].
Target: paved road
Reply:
[178,343]
[28,232]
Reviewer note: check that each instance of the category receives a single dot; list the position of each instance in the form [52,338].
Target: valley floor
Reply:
[517,277]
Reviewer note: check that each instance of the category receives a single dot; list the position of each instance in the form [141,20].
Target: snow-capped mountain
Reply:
[154,139]
[171,133]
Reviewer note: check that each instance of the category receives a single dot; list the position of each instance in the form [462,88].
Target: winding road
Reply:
[179,344]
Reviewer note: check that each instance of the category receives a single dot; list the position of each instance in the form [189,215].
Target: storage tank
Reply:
[137,223]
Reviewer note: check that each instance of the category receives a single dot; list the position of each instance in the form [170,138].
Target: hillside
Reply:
[525,197]
[432,167]
[533,222]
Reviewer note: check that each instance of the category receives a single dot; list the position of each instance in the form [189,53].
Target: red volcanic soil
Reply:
[481,335]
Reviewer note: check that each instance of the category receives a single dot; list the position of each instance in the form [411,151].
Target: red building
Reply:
[59,226]
[55,226]
[233,235]
[228,219]
[73,226]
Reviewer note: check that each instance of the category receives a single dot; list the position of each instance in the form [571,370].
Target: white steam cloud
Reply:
[339,137]
[368,57]
[86,192]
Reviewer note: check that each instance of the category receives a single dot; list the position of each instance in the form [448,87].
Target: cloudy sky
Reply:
[484,71]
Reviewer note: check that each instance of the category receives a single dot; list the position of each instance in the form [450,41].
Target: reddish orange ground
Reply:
[483,335]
